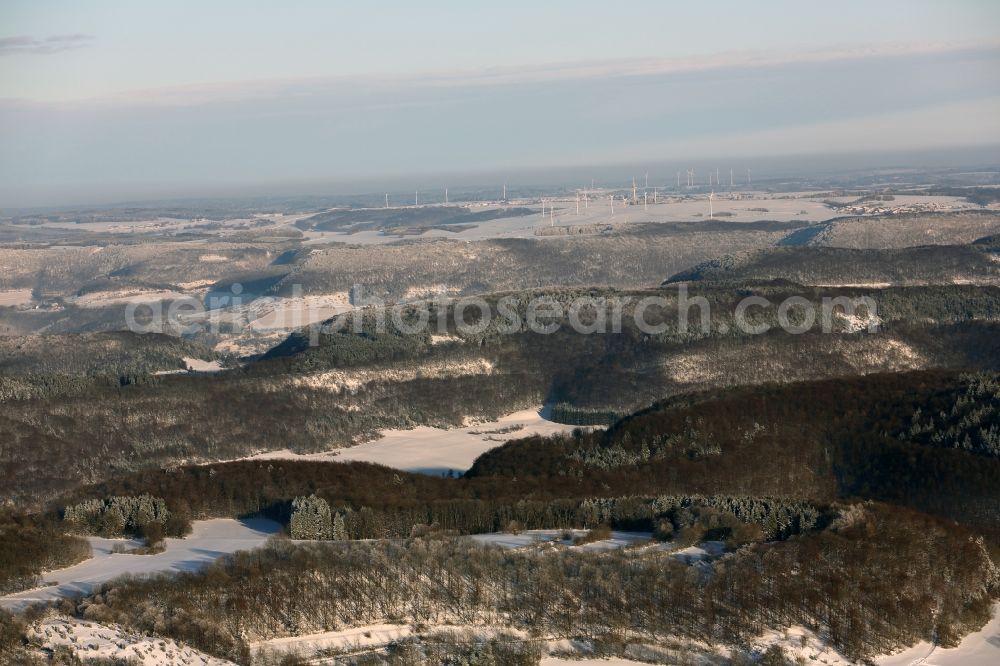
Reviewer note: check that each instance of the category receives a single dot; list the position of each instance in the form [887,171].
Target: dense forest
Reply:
[878,579]
[310,398]
[774,447]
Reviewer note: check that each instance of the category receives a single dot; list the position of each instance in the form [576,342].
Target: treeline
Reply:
[837,438]
[810,265]
[880,580]
[567,413]
[52,366]
[716,518]
[143,516]
[31,544]
[811,440]
[968,420]
[378,502]
[114,354]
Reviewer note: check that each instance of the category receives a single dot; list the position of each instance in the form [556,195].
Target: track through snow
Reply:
[208,541]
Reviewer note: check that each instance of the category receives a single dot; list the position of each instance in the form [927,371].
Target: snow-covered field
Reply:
[13,297]
[436,451]
[209,540]
[981,648]
[193,365]
[101,299]
[669,207]
[272,313]
[598,211]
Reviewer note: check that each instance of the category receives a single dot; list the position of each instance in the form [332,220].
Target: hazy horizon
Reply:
[109,101]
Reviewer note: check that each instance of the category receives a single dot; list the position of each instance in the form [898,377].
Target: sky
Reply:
[115,100]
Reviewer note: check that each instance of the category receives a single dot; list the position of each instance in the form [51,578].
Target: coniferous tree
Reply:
[311,518]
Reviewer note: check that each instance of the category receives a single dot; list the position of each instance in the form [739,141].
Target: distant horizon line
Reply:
[765,167]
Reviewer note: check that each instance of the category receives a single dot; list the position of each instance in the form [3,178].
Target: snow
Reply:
[613,661]
[273,313]
[12,297]
[375,635]
[802,644]
[670,207]
[90,640]
[193,365]
[100,299]
[209,540]
[704,551]
[980,648]
[535,537]
[436,451]
[198,365]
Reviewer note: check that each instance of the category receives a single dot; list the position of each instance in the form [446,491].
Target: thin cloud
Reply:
[26,45]
[301,88]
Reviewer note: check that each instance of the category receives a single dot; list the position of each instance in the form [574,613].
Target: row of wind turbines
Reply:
[584,195]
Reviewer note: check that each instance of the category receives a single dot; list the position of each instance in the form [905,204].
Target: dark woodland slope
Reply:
[929,440]
[939,264]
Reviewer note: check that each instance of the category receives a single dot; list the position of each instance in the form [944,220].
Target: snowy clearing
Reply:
[272,313]
[209,540]
[436,451]
[193,365]
[198,365]
[981,648]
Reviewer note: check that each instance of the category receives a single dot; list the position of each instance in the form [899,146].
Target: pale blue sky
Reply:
[112,99]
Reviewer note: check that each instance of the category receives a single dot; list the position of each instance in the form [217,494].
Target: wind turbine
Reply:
[416,198]
[645,200]
[446,195]
[711,213]
[386,199]
[612,199]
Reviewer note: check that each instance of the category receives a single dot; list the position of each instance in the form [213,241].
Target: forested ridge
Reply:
[351,386]
[881,579]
